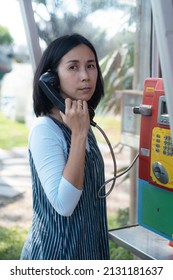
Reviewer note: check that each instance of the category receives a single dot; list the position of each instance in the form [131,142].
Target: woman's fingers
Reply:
[76,104]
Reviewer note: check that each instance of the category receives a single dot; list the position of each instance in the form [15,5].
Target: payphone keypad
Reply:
[167,146]
[161,166]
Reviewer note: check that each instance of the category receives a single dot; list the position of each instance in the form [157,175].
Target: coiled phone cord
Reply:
[113,179]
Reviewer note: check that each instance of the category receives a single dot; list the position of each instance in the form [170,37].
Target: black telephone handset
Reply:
[48,83]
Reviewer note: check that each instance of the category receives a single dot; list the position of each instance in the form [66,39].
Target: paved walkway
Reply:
[14,173]
[16,192]
[15,188]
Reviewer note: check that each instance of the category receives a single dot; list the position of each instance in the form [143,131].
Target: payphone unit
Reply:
[155,187]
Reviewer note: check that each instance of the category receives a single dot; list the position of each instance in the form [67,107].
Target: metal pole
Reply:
[163,21]
[155,68]
[142,70]
[31,32]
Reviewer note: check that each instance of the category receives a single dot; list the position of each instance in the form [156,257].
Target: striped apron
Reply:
[83,235]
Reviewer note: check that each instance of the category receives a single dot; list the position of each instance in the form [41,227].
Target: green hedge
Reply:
[11,242]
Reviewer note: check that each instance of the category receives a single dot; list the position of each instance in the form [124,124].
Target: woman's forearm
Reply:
[74,169]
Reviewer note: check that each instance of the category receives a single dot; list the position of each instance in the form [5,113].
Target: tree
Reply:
[6,41]
[5,37]
[118,70]
[55,18]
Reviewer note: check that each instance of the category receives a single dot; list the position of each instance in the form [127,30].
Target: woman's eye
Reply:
[91,66]
[73,67]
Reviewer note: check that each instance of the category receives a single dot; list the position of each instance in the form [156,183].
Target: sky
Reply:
[10,17]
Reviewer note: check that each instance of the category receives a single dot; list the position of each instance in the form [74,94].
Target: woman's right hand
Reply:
[76,116]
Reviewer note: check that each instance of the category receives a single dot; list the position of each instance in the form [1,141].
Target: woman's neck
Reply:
[56,114]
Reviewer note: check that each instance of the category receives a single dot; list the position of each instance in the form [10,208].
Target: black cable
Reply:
[128,168]
[115,166]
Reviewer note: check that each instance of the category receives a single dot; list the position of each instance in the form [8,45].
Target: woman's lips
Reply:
[86,89]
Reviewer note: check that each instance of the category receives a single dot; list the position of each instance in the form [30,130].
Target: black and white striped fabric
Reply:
[81,236]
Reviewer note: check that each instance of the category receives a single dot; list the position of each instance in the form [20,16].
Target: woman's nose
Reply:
[84,75]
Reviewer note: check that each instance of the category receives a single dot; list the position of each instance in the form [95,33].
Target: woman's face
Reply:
[78,73]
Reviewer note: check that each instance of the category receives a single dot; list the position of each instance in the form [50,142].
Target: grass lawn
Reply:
[15,134]
[12,133]
[11,242]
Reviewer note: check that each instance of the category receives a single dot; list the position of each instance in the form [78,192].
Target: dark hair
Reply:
[50,60]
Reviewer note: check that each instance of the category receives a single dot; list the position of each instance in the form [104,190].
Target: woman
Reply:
[69,220]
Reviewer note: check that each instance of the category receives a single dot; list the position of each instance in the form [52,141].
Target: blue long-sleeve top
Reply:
[48,148]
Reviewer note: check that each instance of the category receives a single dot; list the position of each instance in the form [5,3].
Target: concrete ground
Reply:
[16,192]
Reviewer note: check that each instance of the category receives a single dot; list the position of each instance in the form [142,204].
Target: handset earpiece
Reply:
[48,82]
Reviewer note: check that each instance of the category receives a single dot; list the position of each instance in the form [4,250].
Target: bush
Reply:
[119,220]
[11,242]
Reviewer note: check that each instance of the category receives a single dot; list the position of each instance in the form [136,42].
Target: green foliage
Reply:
[119,253]
[11,242]
[13,134]
[118,69]
[123,217]
[5,37]
[120,219]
